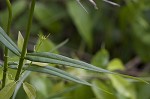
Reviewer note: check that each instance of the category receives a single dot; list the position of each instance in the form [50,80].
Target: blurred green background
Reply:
[112,37]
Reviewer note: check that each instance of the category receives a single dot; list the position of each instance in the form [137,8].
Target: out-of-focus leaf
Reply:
[17,8]
[82,21]
[42,85]
[4,39]
[7,91]
[143,91]
[100,94]
[20,40]
[47,16]
[116,64]
[19,84]
[82,92]
[101,58]
[21,4]
[64,91]
[46,45]
[59,45]
[30,90]
[123,86]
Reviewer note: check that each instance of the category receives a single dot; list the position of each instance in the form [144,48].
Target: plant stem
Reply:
[23,53]
[6,49]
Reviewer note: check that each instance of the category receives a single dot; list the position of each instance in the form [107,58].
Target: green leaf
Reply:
[101,58]
[123,86]
[20,40]
[47,16]
[116,64]
[44,41]
[99,93]
[6,41]
[57,72]
[7,91]
[51,70]
[82,21]
[47,57]
[30,90]
[21,4]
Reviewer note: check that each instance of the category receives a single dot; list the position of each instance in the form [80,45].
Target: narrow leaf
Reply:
[47,57]
[30,90]
[62,60]
[4,39]
[7,91]
[57,72]
[20,40]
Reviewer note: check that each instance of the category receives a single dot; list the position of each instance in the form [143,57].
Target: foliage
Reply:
[109,32]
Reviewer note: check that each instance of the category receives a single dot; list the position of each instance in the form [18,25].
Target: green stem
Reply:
[26,40]
[6,49]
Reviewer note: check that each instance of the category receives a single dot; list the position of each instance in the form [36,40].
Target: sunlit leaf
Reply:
[7,91]
[30,90]
[116,64]
[123,86]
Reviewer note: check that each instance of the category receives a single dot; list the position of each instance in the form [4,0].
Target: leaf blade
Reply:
[6,41]
[62,60]
[7,91]
[30,90]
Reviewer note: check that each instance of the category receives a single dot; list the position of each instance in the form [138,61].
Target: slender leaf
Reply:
[30,90]
[47,57]
[56,72]
[7,91]
[4,39]
[62,60]
[59,73]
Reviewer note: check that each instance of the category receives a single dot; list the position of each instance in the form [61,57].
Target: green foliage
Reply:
[123,30]
[101,58]
[20,40]
[4,39]
[82,21]
[8,90]
[30,90]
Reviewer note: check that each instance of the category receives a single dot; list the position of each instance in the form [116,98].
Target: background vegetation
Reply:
[112,37]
